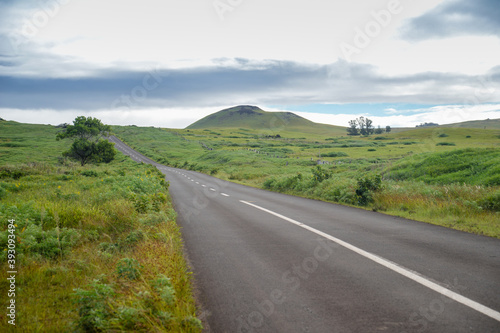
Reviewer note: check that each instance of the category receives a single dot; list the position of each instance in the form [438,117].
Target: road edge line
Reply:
[392,266]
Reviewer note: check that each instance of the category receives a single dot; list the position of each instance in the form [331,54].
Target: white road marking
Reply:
[224,194]
[392,266]
[198,183]
[204,185]
[212,189]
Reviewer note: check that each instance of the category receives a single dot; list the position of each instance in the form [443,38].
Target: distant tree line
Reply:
[427,125]
[364,126]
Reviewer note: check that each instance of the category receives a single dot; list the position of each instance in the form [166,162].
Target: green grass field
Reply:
[96,247]
[445,176]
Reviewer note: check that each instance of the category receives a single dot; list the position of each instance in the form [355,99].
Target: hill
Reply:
[482,124]
[252,117]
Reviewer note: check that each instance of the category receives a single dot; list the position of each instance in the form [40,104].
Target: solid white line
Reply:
[224,194]
[393,266]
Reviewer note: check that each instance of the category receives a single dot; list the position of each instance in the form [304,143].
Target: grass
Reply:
[410,161]
[97,247]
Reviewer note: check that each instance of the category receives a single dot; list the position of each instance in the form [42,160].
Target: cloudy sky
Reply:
[170,62]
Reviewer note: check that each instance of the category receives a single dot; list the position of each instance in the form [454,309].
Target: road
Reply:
[268,262]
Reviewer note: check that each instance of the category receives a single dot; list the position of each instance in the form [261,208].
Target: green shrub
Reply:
[49,244]
[365,188]
[130,318]
[128,268]
[443,135]
[89,173]
[320,174]
[445,144]
[335,154]
[94,309]
[491,202]
[164,287]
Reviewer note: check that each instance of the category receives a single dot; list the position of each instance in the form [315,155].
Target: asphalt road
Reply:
[268,262]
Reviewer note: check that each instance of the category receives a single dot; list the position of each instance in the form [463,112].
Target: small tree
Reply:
[387,129]
[379,130]
[88,145]
[353,128]
[361,125]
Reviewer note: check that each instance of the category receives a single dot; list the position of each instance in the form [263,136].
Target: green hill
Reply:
[483,124]
[252,117]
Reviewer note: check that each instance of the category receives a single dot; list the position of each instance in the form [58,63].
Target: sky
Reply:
[168,63]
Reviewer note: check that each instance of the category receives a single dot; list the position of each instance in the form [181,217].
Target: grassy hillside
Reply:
[268,123]
[96,247]
[21,143]
[445,176]
[482,124]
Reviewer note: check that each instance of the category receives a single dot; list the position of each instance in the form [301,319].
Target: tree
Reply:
[88,145]
[387,129]
[353,128]
[361,125]
[379,130]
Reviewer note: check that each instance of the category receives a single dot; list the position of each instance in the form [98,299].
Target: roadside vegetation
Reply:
[444,176]
[97,246]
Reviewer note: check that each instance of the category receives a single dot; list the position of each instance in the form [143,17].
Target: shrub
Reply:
[128,268]
[49,244]
[164,287]
[445,144]
[320,174]
[93,307]
[90,173]
[366,186]
[335,154]
[443,135]
[491,202]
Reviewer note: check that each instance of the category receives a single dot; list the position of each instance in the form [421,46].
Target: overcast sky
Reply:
[170,62]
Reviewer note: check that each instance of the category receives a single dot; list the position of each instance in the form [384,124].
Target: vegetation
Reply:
[97,246]
[454,186]
[88,144]
[364,126]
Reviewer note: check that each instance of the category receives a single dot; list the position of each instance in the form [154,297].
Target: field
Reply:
[96,247]
[440,175]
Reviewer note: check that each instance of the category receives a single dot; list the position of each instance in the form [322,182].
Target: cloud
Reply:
[443,114]
[243,81]
[455,18]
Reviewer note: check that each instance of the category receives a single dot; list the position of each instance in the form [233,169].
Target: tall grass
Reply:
[75,228]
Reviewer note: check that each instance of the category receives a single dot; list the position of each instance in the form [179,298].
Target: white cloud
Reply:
[446,114]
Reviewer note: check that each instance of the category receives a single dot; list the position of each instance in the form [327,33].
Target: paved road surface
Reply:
[268,262]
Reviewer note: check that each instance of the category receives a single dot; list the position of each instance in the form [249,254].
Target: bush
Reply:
[93,307]
[335,154]
[366,186]
[445,144]
[90,173]
[49,244]
[491,202]
[320,174]
[128,268]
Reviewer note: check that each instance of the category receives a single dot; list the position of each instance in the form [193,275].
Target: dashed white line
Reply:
[212,189]
[392,266]
[224,194]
